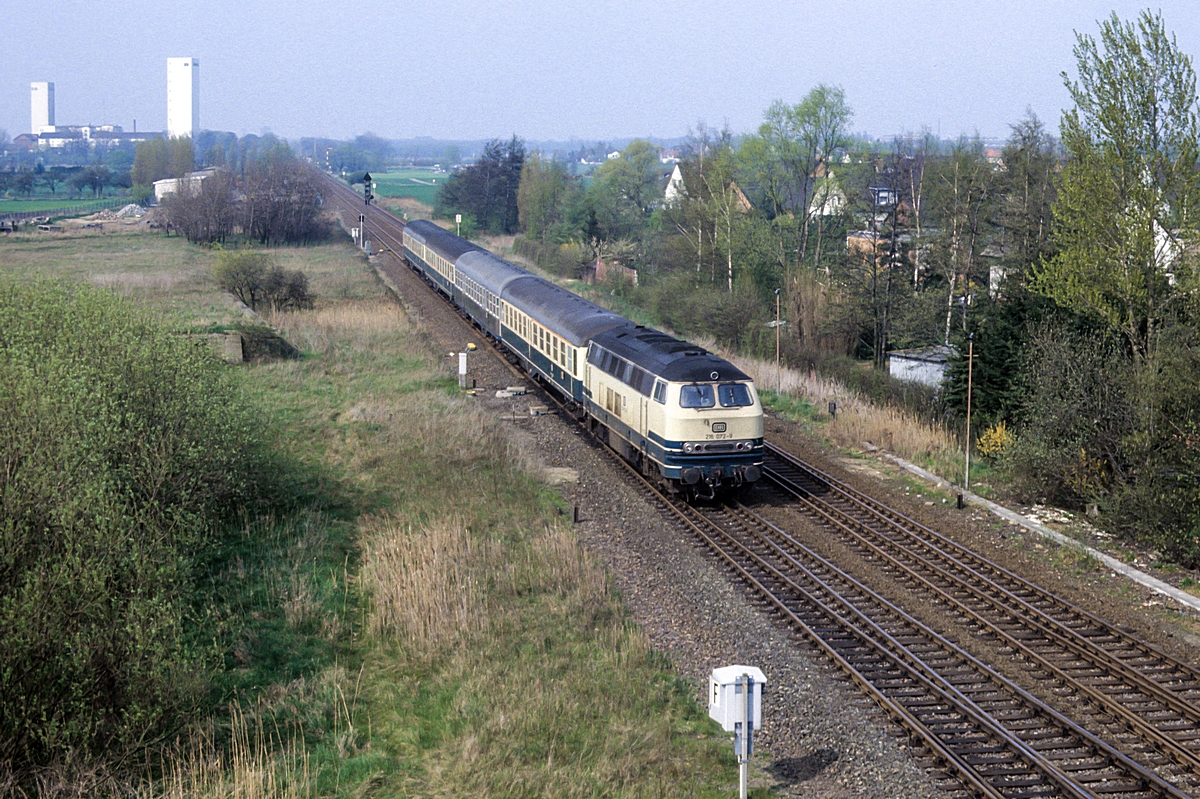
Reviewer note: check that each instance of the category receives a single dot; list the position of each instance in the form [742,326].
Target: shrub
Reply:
[1076,413]
[122,449]
[255,279]
[204,211]
[994,441]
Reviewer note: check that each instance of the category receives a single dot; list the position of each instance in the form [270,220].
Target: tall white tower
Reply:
[41,106]
[183,96]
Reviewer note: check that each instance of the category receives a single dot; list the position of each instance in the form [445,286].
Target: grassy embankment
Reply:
[421,624]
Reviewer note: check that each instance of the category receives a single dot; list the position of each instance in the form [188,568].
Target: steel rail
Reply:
[898,631]
[1139,702]
[872,644]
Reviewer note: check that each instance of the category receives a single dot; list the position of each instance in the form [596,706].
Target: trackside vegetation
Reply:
[375,591]
[123,451]
[1066,266]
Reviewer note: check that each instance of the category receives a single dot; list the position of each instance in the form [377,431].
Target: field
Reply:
[27,206]
[419,184]
[425,565]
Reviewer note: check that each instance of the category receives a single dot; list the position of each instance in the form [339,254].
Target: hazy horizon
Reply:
[547,71]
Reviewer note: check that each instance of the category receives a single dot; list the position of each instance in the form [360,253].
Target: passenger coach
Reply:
[683,415]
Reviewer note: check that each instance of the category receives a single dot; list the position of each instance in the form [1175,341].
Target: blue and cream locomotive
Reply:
[684,416]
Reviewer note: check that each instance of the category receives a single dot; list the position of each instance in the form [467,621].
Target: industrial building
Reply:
[41,105]
[183,96]
[183,115]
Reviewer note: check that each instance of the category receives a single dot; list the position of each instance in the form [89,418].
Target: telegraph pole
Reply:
[778,376]
[970,363]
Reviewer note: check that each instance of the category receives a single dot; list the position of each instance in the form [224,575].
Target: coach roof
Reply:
[443,242]
[668,357]
[566,314]
[489,271]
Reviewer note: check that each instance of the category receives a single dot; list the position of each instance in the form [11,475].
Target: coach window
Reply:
[696,396]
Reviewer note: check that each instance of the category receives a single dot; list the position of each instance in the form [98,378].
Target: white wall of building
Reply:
[927,365]
[41,106]
[183,96]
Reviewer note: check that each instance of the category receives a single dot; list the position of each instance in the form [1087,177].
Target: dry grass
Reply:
[126,283]
[425,583]
[441,584]
[355,324]
[859,423]
[254,766]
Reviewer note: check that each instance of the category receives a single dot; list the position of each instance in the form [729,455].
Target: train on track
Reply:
[685,417]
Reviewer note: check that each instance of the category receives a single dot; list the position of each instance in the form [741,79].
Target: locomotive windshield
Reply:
[703,395]
[734,395]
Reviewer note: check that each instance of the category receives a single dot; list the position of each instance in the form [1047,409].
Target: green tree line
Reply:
[1069,260]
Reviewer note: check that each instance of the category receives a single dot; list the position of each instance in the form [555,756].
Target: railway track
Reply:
[988,735]
[1133,730]
[1133,694]
[383,226]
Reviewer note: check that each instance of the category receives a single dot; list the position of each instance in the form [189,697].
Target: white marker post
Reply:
[735,702]
[462,370]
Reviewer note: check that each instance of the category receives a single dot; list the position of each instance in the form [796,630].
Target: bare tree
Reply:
[282,201]
[203,209]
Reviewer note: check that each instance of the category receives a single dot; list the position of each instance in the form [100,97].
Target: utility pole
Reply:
[778,376]
[970,363]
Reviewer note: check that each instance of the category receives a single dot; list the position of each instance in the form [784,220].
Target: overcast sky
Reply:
[552,69]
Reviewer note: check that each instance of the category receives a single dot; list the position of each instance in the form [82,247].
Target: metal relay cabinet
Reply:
[735,702]
[725,704]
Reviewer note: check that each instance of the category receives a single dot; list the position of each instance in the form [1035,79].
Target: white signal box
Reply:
[726,703]
[735,702]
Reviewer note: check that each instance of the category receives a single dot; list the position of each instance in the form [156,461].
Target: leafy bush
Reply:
[564,260]
[122,449]
[255,279]
[995,440]
[1077,411]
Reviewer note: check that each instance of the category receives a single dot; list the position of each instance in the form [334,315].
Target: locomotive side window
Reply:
[697,396]
[660,392]
[734,395]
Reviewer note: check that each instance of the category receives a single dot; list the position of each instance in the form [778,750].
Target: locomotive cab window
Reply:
[697,395]
[734,395]
[660,392]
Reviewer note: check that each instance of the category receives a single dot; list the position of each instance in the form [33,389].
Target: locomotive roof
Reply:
[443,242]
[667,356]
[489,271]
[571,316]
